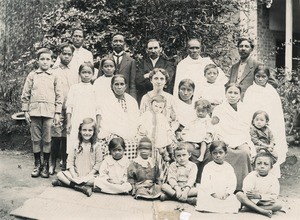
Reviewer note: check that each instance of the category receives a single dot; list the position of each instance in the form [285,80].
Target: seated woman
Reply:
[159,78]
[262,96]
[119,113]
[231,126]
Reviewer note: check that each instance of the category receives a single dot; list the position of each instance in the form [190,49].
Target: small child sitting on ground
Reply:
[112,177]
[260,188]
[181,177]
[143,173]
[218,183]
[83,161]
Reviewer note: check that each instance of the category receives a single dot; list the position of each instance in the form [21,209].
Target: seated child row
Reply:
[88,172]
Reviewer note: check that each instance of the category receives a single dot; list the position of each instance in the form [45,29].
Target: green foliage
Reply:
[172,22]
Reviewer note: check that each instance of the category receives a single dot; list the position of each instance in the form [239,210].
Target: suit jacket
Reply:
[145,66]
[247,77]
[127,67]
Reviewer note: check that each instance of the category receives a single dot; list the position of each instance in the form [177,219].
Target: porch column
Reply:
[288,38]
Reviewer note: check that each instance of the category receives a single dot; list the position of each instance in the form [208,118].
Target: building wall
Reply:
[266,38]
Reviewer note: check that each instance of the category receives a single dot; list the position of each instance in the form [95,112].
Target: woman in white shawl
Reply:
[263,96]
[231,126]
[185,114]
[119,113]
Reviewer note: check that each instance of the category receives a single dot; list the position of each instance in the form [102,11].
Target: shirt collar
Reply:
[62,66]
[118,54]
[38,71]
[122,162]
[144,163]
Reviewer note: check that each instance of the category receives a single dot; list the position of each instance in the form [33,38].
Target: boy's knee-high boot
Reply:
[37,165]
[84,189]
[45,169]
[55,146]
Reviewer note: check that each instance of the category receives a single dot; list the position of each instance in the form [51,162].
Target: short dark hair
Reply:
[262,67]
[118,76]
[210,66]
[188,82]
[115,142]
[64,45]
[258,113]
[233,85]
[88,64]
[216,144]
[241,39]
[78,29]
[154,40]
[266,153]
[43,50]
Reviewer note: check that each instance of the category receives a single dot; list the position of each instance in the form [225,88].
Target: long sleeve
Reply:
[103,171]
[131,174]
[172,175]
[206,181]
[98,157]
[70,100]
[192,175]
[255,137]
[26,93]
[58,94]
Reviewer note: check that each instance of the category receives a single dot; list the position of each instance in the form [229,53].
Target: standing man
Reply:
[242,72]
[125,64]
[153,60]
[192,67]
[80,54]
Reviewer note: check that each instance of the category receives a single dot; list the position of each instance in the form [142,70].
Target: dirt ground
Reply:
[16,185]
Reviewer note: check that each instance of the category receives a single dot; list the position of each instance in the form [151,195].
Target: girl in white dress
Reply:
[81,103]
[218,183]
[112,177]
[102,84]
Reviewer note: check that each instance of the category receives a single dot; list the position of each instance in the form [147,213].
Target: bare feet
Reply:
[267,213]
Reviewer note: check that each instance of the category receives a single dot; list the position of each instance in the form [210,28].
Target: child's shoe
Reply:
[45,170]
[56,182]
[163,197]
[192,201]
[63,166]
[84,189]
[37,169]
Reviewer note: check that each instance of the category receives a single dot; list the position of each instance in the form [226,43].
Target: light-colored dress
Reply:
[169,111]
[84,162]
[102,87]
[116,170]
[213,92]
[81,103]
[116,120]
[156,127]
[233,129]
[198,130]
[219,179]
[267,99]
[185,112]
[267,186]
[144,176]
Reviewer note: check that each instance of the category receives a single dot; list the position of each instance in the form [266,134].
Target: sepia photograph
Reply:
[150,109]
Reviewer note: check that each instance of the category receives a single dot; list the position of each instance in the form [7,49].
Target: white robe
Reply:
[219,179]
[267,99]
[192,69]
[81,103]
[115,121]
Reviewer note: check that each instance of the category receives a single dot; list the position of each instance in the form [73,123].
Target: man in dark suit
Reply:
[125,64]
[153,60]
[242,72]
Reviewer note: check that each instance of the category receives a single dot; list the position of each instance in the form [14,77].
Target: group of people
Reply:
[198,132]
